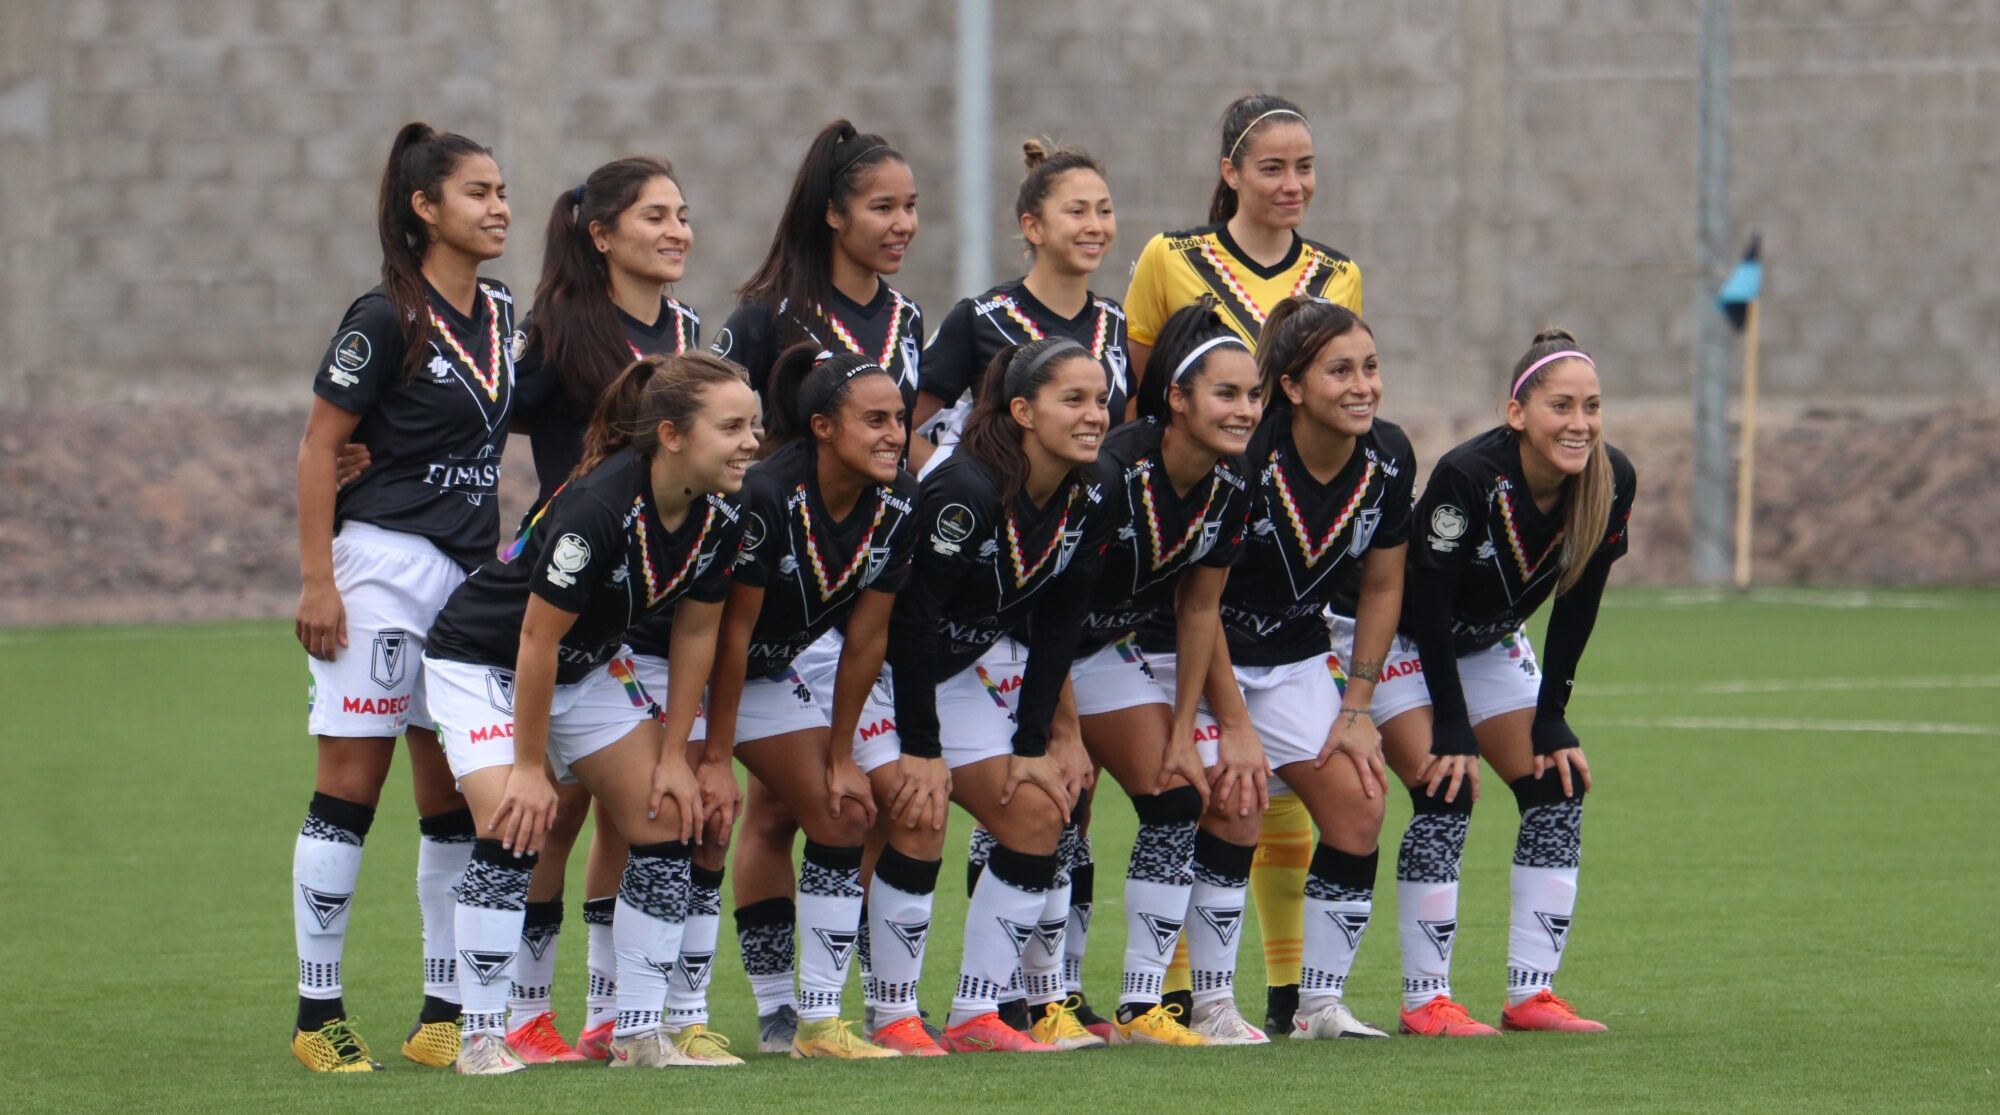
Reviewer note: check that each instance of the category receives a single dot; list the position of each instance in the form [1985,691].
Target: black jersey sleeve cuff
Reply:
[1551,733]
[1453,736]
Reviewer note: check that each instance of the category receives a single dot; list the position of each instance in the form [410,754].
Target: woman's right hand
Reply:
[321,623]
[527,810]
[349,461]
[923,792]
[674,778]
[1042,771]
[1240,779]
[1451,771]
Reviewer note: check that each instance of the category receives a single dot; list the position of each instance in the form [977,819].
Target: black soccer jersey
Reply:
[1306,542]
[1158,533]
[888,330]
[983,571]
[812,568]
[599,551]
[542,401]
[434,438]
[976,329]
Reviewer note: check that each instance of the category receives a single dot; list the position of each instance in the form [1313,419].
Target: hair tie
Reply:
[1247,128]
[1566,354]
[576,195]
[821,386]
[849,165]
[1016,382]
[1188,361]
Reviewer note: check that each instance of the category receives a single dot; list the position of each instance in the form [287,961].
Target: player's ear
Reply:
[1517,416]
[1023,412]
[670,437]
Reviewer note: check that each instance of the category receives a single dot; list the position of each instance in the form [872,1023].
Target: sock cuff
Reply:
[598,911]
[1082,884]
[490,852]
[770,911]
[1178,805]
[1219,857]
[341,813]
[449,827]
[665,849]
[1530,791]
[833,857]
[1345,869]
[545,915]
[1427,803]
[705,878]
[911,876]
[1022,870]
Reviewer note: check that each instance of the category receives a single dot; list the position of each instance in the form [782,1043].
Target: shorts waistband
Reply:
[368,534]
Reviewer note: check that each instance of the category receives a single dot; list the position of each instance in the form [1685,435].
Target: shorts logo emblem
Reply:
[389,662]
[500,690]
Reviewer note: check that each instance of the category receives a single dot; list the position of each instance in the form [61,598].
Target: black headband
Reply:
[821,386]
[1019,374]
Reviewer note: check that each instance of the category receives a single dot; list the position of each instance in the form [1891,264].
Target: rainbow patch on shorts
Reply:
[992,690]
[1339,675]
[1514,642]
[1127,651]
[621,669]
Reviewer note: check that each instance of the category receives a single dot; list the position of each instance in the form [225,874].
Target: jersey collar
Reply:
[1236,252]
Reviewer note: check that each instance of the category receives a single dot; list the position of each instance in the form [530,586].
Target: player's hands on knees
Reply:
[1240,781]
[1354,735]
[1040,771]
[923,793]
[1077,769]
[527,810]
[350,461]
[321,623]
[1569,764]
[1180,758]
[673,778]
[1456,774]
[721,799]
[844,780]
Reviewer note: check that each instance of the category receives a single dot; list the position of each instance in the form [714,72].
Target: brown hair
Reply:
[420,159]
[799,267]
[1047,162]
[1244,118]
[648,392]
[805,382]
[1292,337]
[1586,496]
[991,435]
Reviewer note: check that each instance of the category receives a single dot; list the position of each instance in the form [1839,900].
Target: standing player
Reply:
[1182,492]
[1249,257]
[616,243]
[419,374]
[1013,528]
[1064,210]
[1535,507]
[529,675]
[848,222]
[827,543]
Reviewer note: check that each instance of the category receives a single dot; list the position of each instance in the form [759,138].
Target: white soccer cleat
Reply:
[1333,1021]
[1219,1024]
[651,1049]
[487,1055]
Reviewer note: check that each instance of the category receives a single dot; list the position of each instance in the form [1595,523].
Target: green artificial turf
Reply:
[1774,914]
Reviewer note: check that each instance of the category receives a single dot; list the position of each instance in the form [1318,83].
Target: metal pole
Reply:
[1708,491]
[974,123]
[1746,446]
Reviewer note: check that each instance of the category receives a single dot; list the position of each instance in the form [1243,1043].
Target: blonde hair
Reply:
[1587,495]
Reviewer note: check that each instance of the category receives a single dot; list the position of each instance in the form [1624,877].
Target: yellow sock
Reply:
[1177,970]
[1278,885]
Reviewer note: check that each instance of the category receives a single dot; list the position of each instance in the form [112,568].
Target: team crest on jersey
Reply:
[500,690]
[878,560]
[517,346]
[326,907]
[1070,539]
[1223,919]
[389,661]
[911,353]
[1364,531]
[1114,362]
[570,555]
[484,965]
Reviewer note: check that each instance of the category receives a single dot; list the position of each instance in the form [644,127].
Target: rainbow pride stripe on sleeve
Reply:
[520,542]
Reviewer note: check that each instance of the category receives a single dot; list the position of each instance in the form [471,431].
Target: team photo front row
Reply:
[1168,541]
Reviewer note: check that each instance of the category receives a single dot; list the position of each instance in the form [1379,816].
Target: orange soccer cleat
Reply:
[536,1042]
[908,1037]
[1547,1011]
[594,1043]
[987,1034]
[1442,1018]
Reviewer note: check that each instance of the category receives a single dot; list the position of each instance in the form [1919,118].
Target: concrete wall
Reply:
[189,183]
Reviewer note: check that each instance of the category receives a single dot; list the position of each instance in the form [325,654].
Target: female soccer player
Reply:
[1064,210]
[1533,508]
[829,531]
[1181,491]
[1250,256]
[1013,526]
[528,673]
[1329,520]
[616,243]
[848,222]
[419,373]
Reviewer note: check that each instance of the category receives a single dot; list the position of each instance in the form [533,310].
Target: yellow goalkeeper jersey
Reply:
[1178,267]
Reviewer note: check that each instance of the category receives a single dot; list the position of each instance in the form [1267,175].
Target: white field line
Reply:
[1788,685]
[1786,724]
[1795,597]
[136,635]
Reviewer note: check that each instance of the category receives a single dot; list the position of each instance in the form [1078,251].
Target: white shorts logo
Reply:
[571,554]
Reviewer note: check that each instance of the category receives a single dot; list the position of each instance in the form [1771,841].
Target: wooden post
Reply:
[1746,446]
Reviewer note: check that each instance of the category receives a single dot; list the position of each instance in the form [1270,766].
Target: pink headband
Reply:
[1566,354]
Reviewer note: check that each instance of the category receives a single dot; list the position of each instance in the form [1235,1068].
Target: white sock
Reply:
[1082,891]
[326,862]
[687,991]
[1041,965]
[1543,887]
[535,967]
[1000,921]
[647,927]
[1340,897]
[492,904]
[829,926]
[765,940]
[1427,894]
[1215,921]
[1157,885]
[600,1002]
[443,849]
[899,924]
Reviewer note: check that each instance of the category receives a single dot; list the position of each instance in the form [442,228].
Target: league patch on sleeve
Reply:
[571,554]
[1447,526]
[350,354]
[954,525]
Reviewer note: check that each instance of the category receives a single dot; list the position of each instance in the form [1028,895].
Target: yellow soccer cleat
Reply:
[699,1043]
[831,1037]
[334,1047]
[1059,1026]
[433,1043]
[1159,1025]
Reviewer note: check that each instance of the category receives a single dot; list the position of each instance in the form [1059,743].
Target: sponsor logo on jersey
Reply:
[870,731]
[350,354]
[389,661]
[474,477]
[570,555]
[954,525]
[753,532]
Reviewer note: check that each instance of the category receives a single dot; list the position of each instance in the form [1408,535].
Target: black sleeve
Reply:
[585,542]
[1394,529]
[947,367]
[1054,629]
[945,555]
[902,544]
[364,357]
[765,530]
[1570,622]
[1452,508]
[745,339]
[1228,548]
[711,581]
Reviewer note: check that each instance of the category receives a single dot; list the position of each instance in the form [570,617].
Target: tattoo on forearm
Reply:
[1365,669]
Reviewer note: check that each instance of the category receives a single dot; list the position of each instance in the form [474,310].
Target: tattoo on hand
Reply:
[1366,669]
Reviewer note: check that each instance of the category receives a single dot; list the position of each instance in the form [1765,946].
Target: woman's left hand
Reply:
[1569,764]
[1354,735]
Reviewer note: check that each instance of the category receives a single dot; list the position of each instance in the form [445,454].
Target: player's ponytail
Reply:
[648,392]
[1587,495]
[1046,164]
[991,436]
[806,382]
[420,159]
[798,269]
[1293,335]
[1244,118]
[575,324]
[1180,353]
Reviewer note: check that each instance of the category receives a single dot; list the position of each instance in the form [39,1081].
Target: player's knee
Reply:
[845,828]
[1024,870]
[1178,806]
[1530,791]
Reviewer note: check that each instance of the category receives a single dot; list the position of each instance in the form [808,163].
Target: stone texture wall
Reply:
[190,182]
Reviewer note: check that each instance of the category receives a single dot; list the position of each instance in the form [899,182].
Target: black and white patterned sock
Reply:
[1340,897]
[651,915]
[326,861]
[829,925]
[535,967]
[1156,889]
[1427,892]
[687,991]
[899,926]
[1547,853]
[1215,915]
[492,904]
[764,938]
[1082,894]
[600,1002]
[1000,923]
[444,847]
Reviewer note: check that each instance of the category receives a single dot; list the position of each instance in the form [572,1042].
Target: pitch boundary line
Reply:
[1788,724]
[1789,685]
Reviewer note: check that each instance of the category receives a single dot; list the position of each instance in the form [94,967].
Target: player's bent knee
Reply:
[1180,805]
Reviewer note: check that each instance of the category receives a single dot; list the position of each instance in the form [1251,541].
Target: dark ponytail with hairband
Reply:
[805,382]
[991,436]
[1181,351]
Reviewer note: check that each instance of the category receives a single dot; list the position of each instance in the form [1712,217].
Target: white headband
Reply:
[1253,124]
[1189,360]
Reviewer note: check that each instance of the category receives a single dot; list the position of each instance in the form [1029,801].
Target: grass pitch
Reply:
[1791,879]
